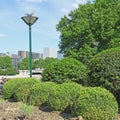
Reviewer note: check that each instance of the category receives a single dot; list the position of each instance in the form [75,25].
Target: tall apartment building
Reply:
[35,55]
[49,52]
[22,54]
[25,54]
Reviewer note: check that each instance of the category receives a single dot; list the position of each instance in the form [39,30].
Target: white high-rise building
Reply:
[49,52]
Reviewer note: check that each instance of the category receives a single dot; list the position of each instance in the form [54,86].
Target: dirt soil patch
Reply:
[11,111]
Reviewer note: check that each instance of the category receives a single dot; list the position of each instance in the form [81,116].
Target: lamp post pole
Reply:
[30,51]
[29,19]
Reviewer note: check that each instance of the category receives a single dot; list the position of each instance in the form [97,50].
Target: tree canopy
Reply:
[98,21]
[6,66]
[40,63]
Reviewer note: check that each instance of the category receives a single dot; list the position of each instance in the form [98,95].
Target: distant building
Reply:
[15,60]
[49,52]
[25,54]
[35,55]
[22,54]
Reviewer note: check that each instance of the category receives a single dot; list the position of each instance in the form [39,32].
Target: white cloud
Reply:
[2,35]
[75,5]
[64,10]
[81,1]
[36,1]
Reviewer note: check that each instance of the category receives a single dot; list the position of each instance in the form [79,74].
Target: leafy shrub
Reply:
[12,85]
[21,93]
[40,92]
[64,70]
[25,110]
[11,71]
[95,104]
[105,70]
[61,98]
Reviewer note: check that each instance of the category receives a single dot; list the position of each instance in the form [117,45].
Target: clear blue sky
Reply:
[14,32]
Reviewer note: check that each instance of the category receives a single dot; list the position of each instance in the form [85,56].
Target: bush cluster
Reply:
[91,103]
[39,93]
[95,104]
[18,85]
[105,71]
[64,70]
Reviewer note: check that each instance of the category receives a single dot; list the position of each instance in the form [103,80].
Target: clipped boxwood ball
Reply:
[64,70]
[105,69]
[95,104]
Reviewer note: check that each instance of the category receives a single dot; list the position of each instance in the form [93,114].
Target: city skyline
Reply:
[14,32]
[47,52]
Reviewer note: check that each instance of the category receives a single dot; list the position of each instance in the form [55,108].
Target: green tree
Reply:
[67,69]
[24,65]
[91,22]
[38,63]
[84,54]
[6,66]
[5,62]
[49,60]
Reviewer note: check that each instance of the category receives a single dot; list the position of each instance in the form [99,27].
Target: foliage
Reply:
[84,54]
[22,92]
[49,60]
[61,98]
[26,109]
[39,93]
[38,63]
[105,70]
[11,71]
[64,70]
[92,22]
[91,103]
[1,101]
[6,67]
[114,43]
[5,62]
[95,104]
[11,86]
[24,65]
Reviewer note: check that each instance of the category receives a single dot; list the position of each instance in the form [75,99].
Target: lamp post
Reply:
[29,19]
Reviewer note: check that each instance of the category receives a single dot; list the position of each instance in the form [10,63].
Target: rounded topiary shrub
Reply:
[95,104]
[61,98]
[105,70]
[39,93]
[22,93]
[11,86]
[64,70]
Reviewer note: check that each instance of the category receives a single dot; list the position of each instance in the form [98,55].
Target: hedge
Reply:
[67,69]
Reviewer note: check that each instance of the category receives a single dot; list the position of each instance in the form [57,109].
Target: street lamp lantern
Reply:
[29,19]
